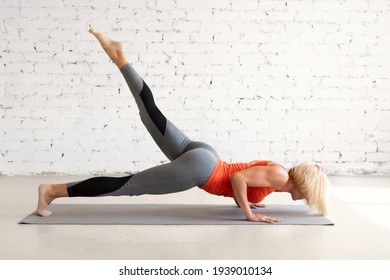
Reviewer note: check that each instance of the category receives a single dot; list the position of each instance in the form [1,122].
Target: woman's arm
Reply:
[258,176]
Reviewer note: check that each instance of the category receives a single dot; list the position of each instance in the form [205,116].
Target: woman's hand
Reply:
[256,205]
[254,176]
[252,205]
[257,217]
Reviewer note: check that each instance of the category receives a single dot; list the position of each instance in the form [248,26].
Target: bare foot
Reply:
[114,49]
[43,200]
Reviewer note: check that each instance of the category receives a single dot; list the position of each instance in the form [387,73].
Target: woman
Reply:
[191,163]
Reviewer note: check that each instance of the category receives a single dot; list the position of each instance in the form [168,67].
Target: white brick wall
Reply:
[284,80]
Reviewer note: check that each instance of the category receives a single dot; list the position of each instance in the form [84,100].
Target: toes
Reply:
[92,30]
[44,213]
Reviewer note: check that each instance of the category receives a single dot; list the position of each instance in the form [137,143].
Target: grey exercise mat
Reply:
[170,214]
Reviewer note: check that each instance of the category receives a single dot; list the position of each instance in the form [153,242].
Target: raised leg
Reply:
[171,140]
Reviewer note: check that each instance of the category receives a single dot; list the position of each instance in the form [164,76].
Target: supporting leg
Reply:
[46,194]
[88,188]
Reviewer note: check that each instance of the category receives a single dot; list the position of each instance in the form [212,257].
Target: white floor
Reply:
[358,205]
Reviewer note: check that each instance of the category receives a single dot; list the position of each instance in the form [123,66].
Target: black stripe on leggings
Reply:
[97,186]
[154,112]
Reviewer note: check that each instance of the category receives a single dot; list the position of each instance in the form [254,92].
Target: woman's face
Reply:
[296,194]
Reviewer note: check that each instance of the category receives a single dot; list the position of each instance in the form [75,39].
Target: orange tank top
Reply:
[219,183]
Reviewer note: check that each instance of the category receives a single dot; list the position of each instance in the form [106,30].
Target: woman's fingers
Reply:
[273,220]
[256,205]
[259,205]
[263,218]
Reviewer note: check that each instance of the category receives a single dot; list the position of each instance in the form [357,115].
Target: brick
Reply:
[186,26]
[205,5]
[245,27]
[281,16]
[174,37]
[285,104]
[281,146]
[297,157]
[83,3]
[309,16]
[327,5]
[202,37]
[10,12]
[134,4]
[353,71]
[382,157]
[360,5]
[272,5]
[19,156]
[273,27]
[224,16]
[31,12]
[364,16]
[338,16]
[63,12]
[384,146]
[327,156]
[50,67]
[299,6]
[158,26]
[200,15]
[238,5]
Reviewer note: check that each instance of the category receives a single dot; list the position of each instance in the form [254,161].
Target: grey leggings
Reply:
[191,162]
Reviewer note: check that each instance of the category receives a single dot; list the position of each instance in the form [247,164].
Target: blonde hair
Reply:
[312,181]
